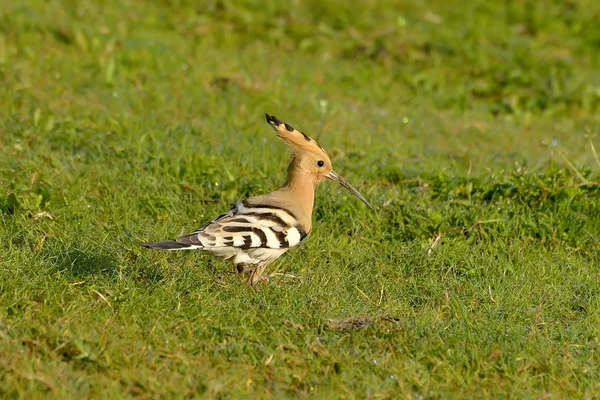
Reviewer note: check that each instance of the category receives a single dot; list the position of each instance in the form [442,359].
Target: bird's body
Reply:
[258,230]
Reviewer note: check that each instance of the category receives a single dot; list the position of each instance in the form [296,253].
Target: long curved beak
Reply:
[335,177]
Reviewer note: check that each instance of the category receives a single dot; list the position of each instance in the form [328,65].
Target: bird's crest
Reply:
[296,140]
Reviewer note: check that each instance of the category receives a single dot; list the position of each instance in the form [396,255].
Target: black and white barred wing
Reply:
[247,227]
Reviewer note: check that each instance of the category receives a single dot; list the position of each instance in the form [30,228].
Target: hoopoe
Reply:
[258,230]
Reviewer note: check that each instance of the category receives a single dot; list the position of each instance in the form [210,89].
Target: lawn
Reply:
[474,131]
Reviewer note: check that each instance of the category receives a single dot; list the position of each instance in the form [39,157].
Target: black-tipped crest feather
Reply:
[273,120]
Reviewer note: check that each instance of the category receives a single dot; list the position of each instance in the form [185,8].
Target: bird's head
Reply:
[309,159]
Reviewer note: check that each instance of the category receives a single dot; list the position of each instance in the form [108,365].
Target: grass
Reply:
[473,131]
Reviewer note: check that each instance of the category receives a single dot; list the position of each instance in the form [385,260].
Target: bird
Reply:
[258,230]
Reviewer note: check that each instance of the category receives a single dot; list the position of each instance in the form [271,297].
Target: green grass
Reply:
[472,127]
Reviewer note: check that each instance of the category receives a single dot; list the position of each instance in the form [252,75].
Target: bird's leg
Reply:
[256,275]
[246,269]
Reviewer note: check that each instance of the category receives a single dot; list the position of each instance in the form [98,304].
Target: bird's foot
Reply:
[284,275]
[267,278]
[257,275]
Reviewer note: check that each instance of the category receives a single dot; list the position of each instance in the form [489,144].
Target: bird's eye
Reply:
[320,163]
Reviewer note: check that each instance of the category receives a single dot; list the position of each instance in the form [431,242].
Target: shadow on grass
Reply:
[85,264]
[80,263]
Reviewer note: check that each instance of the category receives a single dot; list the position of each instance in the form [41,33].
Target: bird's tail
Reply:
[169,245]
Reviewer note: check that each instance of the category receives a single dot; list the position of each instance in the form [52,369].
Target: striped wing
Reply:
[245,227]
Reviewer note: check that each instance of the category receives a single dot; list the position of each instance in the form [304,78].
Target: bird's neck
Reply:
[302,187]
